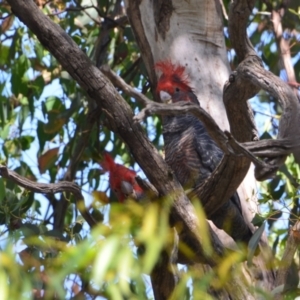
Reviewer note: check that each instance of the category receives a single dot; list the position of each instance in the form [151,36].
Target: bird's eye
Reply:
[177,90]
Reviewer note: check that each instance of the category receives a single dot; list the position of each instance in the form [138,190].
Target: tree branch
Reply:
[50,188]
[271,148]
[247,80]
[282,43]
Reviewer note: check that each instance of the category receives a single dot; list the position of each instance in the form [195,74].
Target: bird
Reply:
[121,179]
[190,151]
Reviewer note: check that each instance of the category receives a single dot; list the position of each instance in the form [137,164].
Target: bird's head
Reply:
[173,84]
[121,179]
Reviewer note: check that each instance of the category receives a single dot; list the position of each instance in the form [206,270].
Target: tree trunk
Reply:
[190,33]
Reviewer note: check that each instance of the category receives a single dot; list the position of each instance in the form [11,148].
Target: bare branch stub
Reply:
[282,43]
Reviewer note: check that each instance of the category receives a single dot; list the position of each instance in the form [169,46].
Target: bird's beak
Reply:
[165,97]
[126,188]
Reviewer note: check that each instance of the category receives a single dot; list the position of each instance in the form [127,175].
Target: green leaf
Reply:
[105,257]
[30,229]
[19,83]
[26,141]
[258,220]
[2,190]
[24,204]
[276,195]
[5,132]
[43,136]
[253,243]
[55,233]
[39,51]
[54,124]
[54,104]
[4,288]
[25,171]
[4,54]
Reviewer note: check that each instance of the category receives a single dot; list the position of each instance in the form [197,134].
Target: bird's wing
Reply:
[209,153]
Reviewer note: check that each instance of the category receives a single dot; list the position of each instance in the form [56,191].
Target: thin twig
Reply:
[126,88]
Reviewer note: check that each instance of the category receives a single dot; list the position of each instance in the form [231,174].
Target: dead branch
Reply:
[282,43]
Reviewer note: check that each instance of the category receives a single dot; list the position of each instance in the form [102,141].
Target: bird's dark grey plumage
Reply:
[191,152]
[193,156]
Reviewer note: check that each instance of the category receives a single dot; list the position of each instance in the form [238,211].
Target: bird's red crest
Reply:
[108,163]
[170,73]
[117,174]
